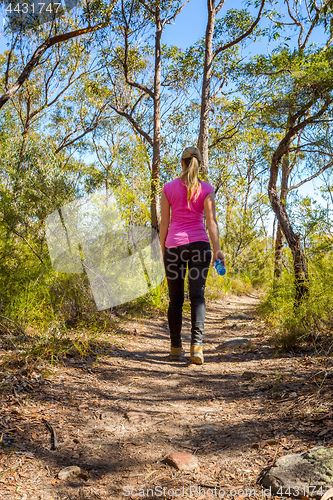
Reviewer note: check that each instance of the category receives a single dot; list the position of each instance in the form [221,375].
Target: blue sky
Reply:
[189,26]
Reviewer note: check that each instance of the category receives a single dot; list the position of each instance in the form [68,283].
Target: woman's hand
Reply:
[218,255]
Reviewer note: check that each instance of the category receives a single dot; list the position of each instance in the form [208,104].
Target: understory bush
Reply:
[311,321]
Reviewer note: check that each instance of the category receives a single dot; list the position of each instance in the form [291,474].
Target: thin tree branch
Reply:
[134,123]
[137,102]
[279,22]
[297,22]
[137,85]
[90,128]
[178,11]
[313,24]
[284,145]
[98,155]
[219,6]
[146,6]
[63,90]
[244,35]
[327,44]
[50,42]
[224,137]
[9,59]
[330,164]
[77,138]
[298,148]
[26,241]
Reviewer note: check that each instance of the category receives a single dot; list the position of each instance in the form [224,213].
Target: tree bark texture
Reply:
[206,93]
[297,122]
[279,233]
[279,240]
[294,240]
[155,172]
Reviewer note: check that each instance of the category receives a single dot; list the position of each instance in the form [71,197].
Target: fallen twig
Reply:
[54,442]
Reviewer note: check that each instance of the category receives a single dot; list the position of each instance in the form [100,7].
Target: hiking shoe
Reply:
[196,355]
[176,354]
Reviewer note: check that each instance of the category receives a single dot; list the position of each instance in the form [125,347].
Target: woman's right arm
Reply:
[209,206]
[165,220]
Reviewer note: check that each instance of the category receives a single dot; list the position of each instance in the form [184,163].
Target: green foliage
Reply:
[312,321]
[292,81]
[217,286]
[42,350]
[233,24]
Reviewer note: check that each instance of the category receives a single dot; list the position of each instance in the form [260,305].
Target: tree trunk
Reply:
[206,85]
[278,253]
[301,270]
[279,233]
[210,53]
[294,240]
[155,172]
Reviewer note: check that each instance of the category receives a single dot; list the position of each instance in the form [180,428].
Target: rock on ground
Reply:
[234,343]
[69,473]
[307,474]
[182,461]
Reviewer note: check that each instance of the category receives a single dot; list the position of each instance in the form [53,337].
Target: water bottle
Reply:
[219,266]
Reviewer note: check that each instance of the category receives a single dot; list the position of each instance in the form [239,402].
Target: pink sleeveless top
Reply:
[186,223]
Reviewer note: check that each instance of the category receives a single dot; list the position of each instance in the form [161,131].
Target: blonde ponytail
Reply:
[191,158]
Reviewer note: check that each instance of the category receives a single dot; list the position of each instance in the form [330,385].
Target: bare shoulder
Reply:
[209,206]
[209,199]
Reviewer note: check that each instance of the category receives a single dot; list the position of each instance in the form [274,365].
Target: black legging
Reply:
[198,256]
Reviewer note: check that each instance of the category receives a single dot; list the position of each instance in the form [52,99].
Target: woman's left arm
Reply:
[165,220]
[213,229]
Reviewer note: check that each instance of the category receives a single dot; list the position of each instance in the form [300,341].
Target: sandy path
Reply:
[236,413]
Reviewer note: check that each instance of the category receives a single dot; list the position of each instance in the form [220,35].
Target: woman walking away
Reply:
[185,243]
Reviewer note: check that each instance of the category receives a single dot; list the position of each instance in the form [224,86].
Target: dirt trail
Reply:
[236,413]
